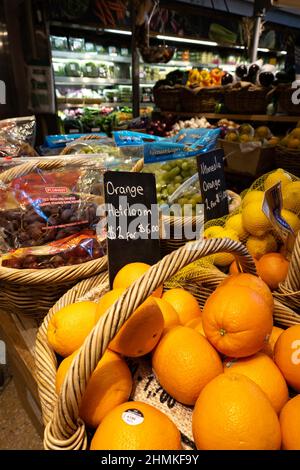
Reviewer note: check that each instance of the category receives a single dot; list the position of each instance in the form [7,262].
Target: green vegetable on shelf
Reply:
[72,69]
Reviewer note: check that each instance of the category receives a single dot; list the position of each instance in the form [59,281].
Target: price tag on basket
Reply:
[212,183]
[132,218]
[272,207]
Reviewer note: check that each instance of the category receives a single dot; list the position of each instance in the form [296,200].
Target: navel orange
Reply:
[233,413]
[237,320]
[290,424]
[253,282]
[184,303]
[109,385]
[136,426]
[270,344]
[287,355]
[264,372]
[130,273]
[170,315]
[69,327]
[273,269]
[184,362]
[196,324]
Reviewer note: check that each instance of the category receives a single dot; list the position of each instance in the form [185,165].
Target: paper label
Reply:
[133,417]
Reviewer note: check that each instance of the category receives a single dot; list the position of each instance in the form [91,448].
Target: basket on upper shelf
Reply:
[168,98]
[201,99]
[246,98]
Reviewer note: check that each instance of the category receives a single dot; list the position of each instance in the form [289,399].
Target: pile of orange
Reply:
[228,362]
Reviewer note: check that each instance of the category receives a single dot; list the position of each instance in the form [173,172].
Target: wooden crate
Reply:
[19,333]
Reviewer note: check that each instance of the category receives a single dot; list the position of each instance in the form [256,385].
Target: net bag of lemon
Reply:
[145,365]
[251,226]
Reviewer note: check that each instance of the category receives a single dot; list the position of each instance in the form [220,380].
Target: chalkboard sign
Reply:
[212,183]
[132,220]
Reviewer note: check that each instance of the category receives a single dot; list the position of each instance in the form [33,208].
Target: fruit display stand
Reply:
[64,430]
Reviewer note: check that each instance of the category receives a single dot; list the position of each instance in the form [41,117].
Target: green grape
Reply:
[185,166]
[174,172]
[177,185]
[182,201]
[171,189]
[198,198]
[178,179]
[193,202]
[166,166]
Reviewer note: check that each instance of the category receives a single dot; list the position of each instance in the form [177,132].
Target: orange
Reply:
[234,267]
[287,355]
[184,362]
[196,324]
[262,370]
[253,282]
[269,346]
[141,332]
[233,413]
[273,269]
[290,424]
[170,315]
[69,327]
[109,385]
[136,426]
[237,320]
[184,303]
[130,273]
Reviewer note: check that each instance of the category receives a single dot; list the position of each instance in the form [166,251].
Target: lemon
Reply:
[292,219]
[253,196]
[291,197]
[254,220]
[259,246]
[225,259]
[278,176]
[215,231]
[235,223]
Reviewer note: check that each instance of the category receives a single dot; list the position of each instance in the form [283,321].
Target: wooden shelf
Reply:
[236,117]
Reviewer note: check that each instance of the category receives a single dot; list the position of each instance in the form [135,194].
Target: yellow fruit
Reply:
[130,273]
[69,327]
[233,413]
[170,315]
[278,176]
[292,219]
[291,197]
[235,223]
[215,231]
[109,385]
[225,259]
[293,143]
[259,246]
[263,132]
[264,372]
[184,362]
[253,196]
[290,424]
[184,303]
[296,133]
[254,220]
[136,426]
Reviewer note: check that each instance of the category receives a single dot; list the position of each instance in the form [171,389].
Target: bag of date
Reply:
[45,206]
[76,249]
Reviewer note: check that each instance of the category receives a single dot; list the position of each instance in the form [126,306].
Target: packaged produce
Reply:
[59,43]
[117,156]
[77,44]
[124,138]
[90,70]
[48,205]
[72,69]
[174,163]
[17,136]
[75,249]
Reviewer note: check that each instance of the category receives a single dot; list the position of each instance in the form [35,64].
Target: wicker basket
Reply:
[68,149]
[201,100]
[34,291]
[247,100]
[64,430]
[288,159]
[285,101]
[168,98]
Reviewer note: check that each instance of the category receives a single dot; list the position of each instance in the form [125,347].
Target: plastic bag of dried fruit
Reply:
[17,137]
[76,249]
[47,205]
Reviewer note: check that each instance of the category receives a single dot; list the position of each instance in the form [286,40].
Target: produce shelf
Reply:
[237,117]
[80,81]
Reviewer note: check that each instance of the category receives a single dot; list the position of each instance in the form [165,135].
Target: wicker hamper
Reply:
[168,98]
[288,159]
[247,99]
[64,430]
[201,100]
